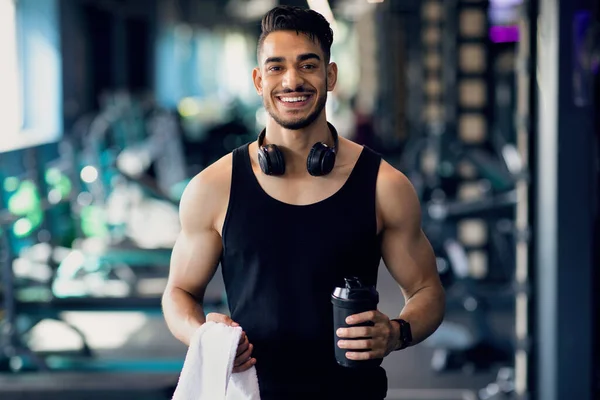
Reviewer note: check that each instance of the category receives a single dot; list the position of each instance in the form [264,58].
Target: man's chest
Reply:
[303,189]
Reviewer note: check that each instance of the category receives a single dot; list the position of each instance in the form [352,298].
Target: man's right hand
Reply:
[242,361]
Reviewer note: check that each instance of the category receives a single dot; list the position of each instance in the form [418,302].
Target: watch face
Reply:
[405,332]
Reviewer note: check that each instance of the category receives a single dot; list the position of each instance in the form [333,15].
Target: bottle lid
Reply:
[354,290]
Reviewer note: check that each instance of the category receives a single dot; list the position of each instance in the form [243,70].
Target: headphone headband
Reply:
[334,135]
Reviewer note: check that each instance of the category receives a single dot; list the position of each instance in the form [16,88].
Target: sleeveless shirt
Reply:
[280,264]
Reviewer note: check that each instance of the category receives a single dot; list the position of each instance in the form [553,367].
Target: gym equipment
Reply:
[465,166]
[112,286]
[116,170]
[25,207]
[130,156]
[502,389]
[476,348]
[455,347]
[12,349]
[164,149]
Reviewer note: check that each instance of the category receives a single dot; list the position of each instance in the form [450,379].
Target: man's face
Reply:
[293,79]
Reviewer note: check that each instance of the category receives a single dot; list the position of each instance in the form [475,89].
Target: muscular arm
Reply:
[408,254]
[195,255]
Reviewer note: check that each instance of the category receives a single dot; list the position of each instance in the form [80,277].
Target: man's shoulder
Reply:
[395,193]
[218,172]
[390,178]
[211,185]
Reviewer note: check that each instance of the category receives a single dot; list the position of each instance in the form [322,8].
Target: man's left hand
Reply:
[380,339]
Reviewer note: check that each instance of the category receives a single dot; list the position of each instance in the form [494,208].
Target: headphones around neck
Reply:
[320,161]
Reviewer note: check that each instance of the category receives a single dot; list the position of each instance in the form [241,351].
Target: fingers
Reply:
[368,342]
[373,316]
[364,344]
[365,355]
[356,332]
[365,349]
[242,361]
[245,366]
[222,318]
[242,347]
[243,337]
[243,357]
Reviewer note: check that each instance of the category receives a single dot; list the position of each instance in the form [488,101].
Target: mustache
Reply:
[297,90]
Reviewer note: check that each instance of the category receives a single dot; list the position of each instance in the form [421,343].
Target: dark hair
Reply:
[301,20]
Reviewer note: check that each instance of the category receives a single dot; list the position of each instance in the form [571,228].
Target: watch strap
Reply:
[405,333]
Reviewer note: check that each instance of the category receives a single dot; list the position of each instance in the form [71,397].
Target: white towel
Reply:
[207,370]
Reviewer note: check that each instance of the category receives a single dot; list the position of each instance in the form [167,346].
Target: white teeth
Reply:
[293,99]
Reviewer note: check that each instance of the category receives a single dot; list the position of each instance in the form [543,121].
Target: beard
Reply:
[298,122]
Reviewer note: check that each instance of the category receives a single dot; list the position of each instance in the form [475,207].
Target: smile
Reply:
[294,101]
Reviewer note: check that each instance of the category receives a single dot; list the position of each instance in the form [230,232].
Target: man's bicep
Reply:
[194,260]
[196,253]
[406,251]
[409,258]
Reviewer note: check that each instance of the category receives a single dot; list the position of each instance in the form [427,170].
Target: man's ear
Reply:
[257,79]
[332,72]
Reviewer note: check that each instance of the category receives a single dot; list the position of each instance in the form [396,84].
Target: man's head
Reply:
[294,72]
[299,20]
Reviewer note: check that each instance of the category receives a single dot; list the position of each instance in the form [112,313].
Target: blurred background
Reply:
[109,107]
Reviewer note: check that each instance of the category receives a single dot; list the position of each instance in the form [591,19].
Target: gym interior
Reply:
[490,107]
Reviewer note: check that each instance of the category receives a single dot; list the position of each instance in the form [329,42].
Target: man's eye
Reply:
[308,66]
[274,69]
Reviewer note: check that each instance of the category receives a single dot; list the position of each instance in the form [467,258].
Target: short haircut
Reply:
[301,20]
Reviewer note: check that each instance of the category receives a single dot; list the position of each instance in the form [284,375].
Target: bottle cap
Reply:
[355,291]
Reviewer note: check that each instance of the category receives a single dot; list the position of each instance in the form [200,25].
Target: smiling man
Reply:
[289,216]
[301,97]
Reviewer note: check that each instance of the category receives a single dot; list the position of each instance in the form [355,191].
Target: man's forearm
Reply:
[183,313]
[425,312]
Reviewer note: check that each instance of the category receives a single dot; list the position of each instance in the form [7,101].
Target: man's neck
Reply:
[296,144]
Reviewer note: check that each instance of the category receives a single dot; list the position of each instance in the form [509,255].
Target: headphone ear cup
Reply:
[313,162]
[263,161]
[328,161]
[271,160]
[321,160]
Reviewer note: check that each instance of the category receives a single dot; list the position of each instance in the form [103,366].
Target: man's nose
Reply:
[292,79]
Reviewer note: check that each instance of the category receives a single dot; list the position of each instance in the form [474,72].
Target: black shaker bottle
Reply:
[352,299]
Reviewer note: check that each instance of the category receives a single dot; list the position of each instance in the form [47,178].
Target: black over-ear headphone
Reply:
[320,161]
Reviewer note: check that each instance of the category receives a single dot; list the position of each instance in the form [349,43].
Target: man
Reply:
[289,223]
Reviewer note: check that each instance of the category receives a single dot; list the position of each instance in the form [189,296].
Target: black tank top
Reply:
[280,264]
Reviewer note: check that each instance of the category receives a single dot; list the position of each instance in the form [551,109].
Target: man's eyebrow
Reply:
[308,56]
[274,60]
[300,58]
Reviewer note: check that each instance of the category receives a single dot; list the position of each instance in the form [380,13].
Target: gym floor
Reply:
[140,359]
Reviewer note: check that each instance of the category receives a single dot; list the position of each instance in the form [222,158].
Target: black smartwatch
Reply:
[405,333]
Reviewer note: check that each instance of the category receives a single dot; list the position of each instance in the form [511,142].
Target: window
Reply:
[30,74]
[11,118]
